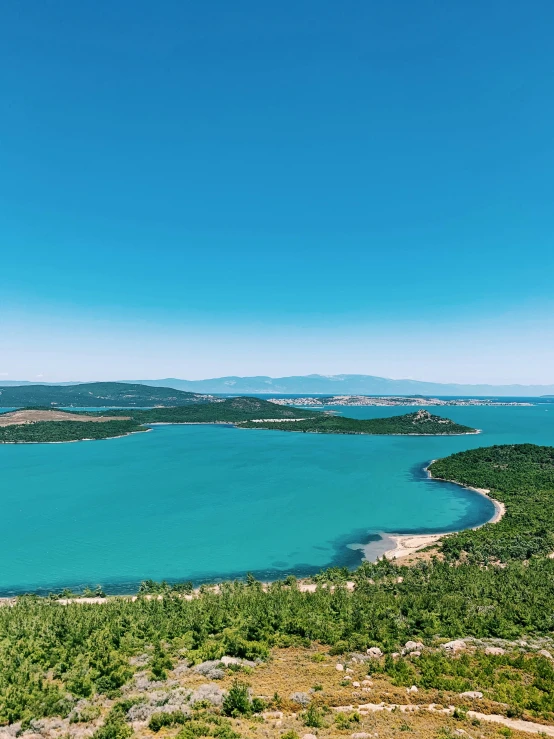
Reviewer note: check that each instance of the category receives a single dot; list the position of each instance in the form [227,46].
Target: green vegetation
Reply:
[231,410]
[525,682]
[346,721]
[227,411]
[494,582]
[50,431]
[162,720]
[312,717]
[522,477]
[420,422]
[86,648]
[94,394]
[241,411]
[115,726]
[238,702]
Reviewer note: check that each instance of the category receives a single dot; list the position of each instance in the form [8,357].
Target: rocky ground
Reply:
[300,692]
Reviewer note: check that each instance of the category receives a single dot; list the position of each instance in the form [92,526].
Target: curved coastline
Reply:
[78,441]
[408,544]
[237,425]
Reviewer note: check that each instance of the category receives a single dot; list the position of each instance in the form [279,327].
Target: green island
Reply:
[47,425]
[42,432]
[470,627]
[418,423]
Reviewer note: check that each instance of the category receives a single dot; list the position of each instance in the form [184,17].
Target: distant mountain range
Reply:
[324,385]
[344,385]
[333,385]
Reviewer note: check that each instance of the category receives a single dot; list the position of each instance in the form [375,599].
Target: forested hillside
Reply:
[95,394]
[230,410]
[522,477]
[59,431]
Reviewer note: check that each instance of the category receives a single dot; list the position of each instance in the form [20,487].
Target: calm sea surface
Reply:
[209,502]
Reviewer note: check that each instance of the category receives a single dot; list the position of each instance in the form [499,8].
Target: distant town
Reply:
[361,400]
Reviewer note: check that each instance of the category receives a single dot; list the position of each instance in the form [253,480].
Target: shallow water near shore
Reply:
[212,502]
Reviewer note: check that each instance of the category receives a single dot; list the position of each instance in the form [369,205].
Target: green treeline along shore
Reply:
[492,588]
[243,412]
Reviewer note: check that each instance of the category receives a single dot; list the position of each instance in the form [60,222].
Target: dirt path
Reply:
[518,724]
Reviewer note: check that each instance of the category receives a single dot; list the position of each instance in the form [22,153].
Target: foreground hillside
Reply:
[290,691]
[95,394]
[467,633]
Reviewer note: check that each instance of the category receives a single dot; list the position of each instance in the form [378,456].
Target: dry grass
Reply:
[18,418]
[313,671]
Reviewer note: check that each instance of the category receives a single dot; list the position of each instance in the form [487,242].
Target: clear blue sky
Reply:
[195,189]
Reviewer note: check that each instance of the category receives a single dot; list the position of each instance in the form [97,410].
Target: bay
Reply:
[210,502]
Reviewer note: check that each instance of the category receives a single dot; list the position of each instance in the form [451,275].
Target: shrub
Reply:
[225,732]
[258,705]
[114,726]
[237,701]
[84,715]
[159,720]
[312,717]
[344,721]
[160,663]
[194,729]
[339,648]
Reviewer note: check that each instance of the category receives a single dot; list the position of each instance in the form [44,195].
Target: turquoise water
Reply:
[207,502]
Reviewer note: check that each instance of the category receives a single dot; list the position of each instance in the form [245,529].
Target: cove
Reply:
[208,502]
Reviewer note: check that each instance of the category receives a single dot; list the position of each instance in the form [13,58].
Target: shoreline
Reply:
[237,425]
[409,544]
[405,545]
[78,441]
[352,433]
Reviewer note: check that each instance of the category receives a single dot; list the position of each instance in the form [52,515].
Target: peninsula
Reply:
[519,479]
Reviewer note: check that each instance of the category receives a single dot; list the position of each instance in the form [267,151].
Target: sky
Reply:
[198,189]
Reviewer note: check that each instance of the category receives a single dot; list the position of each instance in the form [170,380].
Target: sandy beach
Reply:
[406,545]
